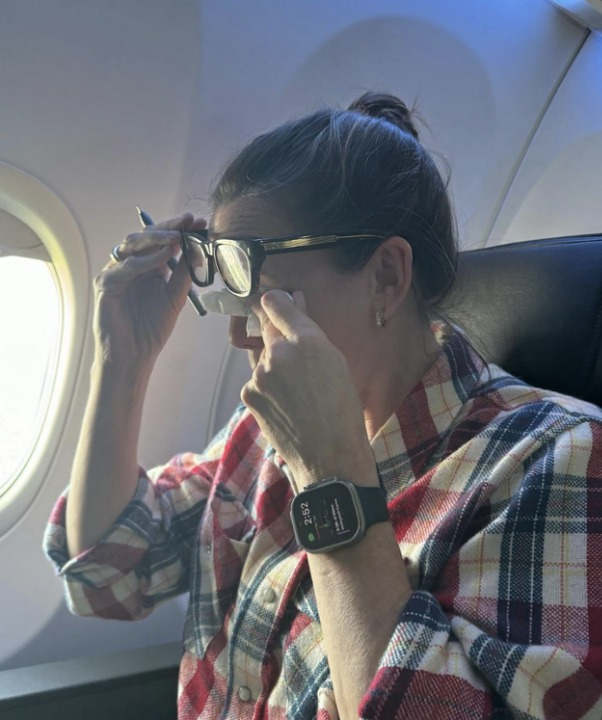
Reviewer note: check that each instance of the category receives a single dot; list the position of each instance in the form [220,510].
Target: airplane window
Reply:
[30,319]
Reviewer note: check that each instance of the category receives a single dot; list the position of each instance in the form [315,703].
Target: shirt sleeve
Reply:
[511,624]
[144,559]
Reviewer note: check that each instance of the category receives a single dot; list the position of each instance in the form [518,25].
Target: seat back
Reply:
[535,309]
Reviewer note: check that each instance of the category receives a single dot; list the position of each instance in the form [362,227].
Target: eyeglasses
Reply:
[239,261]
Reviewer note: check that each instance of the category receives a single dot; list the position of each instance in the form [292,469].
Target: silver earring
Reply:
[380,319]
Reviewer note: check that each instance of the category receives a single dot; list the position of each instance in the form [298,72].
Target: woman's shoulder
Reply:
[520,420]
[517,396]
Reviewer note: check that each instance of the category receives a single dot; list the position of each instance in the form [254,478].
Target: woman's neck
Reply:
[402,359]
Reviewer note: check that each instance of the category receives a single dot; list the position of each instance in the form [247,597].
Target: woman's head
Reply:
[347,171]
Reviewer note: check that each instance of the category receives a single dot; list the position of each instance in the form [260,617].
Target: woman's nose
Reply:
[238,334]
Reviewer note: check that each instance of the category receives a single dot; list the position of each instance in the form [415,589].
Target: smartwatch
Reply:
[334,513]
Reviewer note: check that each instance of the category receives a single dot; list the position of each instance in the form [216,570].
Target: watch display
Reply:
[327,516]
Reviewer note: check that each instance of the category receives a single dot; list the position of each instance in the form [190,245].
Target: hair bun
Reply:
[386,107]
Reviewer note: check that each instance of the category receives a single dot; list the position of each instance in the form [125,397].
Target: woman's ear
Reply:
[391,266]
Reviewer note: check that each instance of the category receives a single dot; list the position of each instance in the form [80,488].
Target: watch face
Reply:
[325,516]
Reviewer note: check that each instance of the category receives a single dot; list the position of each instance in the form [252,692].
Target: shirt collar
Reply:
[410,437]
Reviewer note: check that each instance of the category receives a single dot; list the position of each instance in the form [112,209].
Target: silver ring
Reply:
[116,255]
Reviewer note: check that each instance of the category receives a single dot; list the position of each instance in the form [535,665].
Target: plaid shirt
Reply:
[495,495]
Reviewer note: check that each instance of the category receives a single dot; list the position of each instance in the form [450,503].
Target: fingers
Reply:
[117,274]
[198,224]
[288,315]
[156,237]
[183,222]
[147,242]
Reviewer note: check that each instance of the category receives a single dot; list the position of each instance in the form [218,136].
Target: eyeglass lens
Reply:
[198,262]
[235,268]
[232,262]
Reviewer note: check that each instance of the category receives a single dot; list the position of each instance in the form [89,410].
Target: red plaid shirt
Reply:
[495,494]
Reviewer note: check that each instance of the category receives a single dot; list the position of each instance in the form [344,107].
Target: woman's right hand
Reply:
[138,300]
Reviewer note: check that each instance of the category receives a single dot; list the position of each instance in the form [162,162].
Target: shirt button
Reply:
[244,693]
[269,595]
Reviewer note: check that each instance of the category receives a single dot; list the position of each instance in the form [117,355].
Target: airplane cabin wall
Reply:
[116,104]
[557,190]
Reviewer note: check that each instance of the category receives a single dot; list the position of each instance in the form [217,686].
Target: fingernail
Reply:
[271,290]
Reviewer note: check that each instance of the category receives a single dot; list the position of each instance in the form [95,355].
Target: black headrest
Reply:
[535,309]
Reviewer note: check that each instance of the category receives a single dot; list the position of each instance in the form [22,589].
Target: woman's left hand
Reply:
[302,395]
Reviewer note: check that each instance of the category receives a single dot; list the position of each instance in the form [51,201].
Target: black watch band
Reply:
[374,504]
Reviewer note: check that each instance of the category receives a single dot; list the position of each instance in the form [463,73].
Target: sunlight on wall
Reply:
[29,335]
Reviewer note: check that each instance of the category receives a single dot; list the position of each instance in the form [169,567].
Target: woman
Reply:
[446,575]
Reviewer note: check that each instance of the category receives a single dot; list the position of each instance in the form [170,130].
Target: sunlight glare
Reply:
[29,334]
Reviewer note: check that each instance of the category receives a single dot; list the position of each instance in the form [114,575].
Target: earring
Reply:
[380,319]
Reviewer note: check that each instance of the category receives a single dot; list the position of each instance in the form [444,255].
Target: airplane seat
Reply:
[535,309]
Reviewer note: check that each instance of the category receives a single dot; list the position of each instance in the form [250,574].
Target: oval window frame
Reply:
[33,203]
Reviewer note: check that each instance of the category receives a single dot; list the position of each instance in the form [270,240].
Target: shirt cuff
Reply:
[117,552]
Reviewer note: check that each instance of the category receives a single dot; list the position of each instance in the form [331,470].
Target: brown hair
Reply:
[357,170]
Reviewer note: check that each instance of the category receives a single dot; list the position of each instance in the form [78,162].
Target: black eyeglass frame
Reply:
[256,251]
